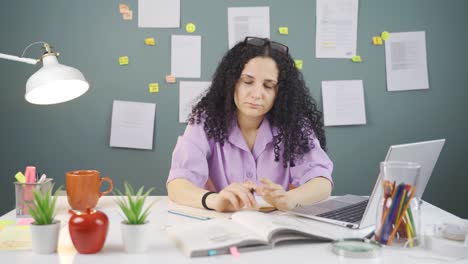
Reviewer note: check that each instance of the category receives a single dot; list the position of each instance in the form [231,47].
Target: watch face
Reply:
[356,248]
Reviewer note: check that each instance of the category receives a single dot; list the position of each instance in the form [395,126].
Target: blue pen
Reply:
[188,215]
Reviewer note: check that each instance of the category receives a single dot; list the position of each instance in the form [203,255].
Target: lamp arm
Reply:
[26,60]
[16,58]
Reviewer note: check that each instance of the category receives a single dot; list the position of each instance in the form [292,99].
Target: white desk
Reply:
[162,249]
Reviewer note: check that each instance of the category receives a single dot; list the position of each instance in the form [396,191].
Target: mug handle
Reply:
[111,186]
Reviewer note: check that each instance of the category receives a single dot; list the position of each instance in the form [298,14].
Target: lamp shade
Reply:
[55,83]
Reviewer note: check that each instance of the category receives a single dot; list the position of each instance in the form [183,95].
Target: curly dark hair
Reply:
[294,111]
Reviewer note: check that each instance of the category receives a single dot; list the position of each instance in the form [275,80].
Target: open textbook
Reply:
[252,230]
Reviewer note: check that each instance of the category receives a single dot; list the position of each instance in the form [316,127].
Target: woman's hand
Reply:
[275,195]
[233,197]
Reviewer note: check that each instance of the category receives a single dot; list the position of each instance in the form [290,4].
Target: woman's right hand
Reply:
[233,197]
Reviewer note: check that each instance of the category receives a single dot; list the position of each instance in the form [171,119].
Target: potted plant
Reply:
[135,225]
[45,229]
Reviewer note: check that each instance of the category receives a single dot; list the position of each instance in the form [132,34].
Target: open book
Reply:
[251,230]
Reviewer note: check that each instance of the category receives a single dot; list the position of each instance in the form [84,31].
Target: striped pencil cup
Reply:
[398,222]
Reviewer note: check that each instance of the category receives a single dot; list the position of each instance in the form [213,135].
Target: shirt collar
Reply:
[264,136]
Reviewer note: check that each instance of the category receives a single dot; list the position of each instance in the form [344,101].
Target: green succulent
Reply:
[132,204]
[43,209]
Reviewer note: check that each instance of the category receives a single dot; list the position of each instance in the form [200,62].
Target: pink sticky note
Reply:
[234,251]
[25,221]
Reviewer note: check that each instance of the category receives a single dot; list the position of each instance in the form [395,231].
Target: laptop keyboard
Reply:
[351,213]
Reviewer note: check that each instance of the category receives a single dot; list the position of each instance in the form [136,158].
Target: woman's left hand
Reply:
[274,194]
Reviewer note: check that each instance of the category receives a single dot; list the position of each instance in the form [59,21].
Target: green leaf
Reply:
[132,204]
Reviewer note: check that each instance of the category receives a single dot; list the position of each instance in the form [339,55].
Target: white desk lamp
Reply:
[54,82]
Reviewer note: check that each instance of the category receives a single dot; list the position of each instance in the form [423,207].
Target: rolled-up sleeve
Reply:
[190,156]
[315,163]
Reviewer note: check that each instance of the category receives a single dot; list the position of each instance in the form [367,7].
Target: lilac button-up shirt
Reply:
[199,159]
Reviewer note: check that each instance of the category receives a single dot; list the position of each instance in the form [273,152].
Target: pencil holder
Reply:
[398,220]
[24,195]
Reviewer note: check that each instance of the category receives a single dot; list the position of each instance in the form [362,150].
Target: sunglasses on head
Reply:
[264,41]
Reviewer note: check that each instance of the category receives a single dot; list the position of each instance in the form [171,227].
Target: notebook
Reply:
[358,212]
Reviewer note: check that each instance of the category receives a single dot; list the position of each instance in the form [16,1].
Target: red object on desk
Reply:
[88,230]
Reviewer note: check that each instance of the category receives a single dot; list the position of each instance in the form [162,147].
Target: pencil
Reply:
[399,220]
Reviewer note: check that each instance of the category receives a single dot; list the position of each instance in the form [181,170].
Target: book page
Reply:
[217,234]
[267,225]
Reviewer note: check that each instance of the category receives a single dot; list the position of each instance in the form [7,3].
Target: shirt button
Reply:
[249,175]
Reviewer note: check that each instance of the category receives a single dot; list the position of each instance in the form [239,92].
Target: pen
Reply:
[188,215]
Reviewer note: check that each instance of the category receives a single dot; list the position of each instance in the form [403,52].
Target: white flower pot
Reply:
[45,237]
[135,237]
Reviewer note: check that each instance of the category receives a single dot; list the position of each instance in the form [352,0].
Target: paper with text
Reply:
[248,21]
[343,103]
[189,94]
[186,56]
[336,32]
[158,14]
[132,125]
[406,62]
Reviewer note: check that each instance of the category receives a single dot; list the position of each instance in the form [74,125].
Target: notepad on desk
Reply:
[15,237]
[247,230]
[203,214]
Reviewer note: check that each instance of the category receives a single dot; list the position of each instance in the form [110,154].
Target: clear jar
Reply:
[398,220]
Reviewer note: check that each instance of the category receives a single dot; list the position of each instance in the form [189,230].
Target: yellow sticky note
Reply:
[298,64]
[7,222]
[170,79]
[20,177]
[153,87]
[150,41]
[385,35]
[128,15]
[190,27]
[123,8]
[283,30]
[376,40]
[123,60]
[356,58]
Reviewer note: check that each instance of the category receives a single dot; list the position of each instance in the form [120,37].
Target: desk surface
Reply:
[162,249]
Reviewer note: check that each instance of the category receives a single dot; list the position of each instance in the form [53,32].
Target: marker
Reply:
[188,215]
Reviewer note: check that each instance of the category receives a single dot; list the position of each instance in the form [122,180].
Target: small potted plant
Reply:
[45,229]
[135,225]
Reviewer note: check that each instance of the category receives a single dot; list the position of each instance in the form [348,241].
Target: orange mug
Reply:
[83,188]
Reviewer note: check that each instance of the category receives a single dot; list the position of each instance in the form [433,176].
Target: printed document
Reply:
[343,103]
[158,14]
[189,94]
[186,56]
[406,62]
[248,21]
[132,125]
[336,30]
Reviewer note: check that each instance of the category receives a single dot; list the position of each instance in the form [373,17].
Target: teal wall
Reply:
[91,35]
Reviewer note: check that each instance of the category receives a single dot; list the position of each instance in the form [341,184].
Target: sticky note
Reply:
[377,40]
[234,251]
[128,15]
[298,64]
[356,58]
[20,177]
[123,60]
[123,8]
[7,222]
[150,41]
[170,79]
[283,30]
[385,35]
[190,27]
[153,87]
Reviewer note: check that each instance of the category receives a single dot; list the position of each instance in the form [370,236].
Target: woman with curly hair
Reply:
[257,129]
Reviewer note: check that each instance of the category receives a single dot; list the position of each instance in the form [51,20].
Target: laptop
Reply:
[359,212]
